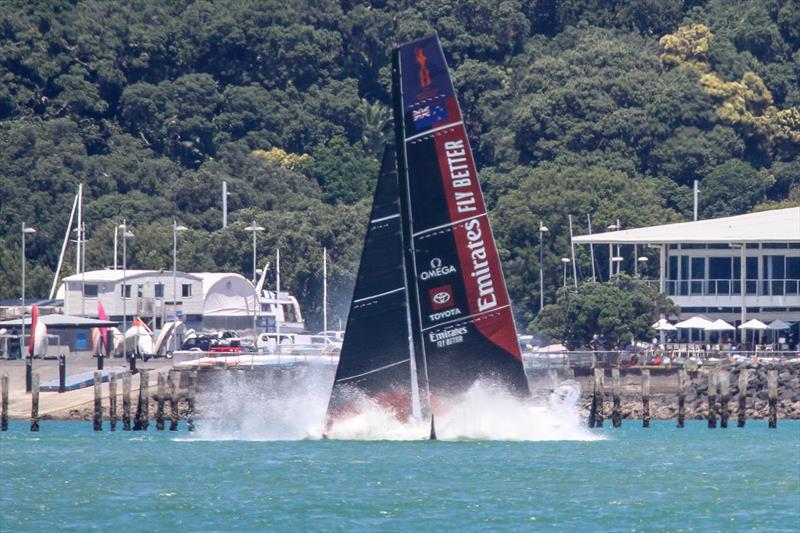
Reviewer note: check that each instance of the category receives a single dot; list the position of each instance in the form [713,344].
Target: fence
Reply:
[686,355]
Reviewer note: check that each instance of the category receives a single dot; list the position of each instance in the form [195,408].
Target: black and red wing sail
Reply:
[375,357]
[460,309]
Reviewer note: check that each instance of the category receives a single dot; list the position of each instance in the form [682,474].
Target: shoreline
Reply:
[79,404]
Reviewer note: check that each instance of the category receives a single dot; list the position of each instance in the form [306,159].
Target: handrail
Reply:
[729,287]
[694,353]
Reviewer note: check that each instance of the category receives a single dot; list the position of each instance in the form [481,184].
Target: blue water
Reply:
[661,479]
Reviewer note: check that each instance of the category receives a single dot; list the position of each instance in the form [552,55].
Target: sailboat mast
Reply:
[279,307]
[78,226]
[325,290]
[63,248]
[407,225]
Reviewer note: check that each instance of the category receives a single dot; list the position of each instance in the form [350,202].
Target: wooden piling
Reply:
[744,378]
[4,409]
[772,395]
[192,392]
[162,386]
[712,399]
[616,411]
[173,401]
[141,421]
[646,397]
[112,401]
[97,419]
[682,380]
[724,398]
[62,373]
[126,401]
[35,401]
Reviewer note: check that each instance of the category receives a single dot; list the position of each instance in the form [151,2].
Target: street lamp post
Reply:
[175,229]
[542,230]
[255,228]
[565,261]
[29,359]
[125,235]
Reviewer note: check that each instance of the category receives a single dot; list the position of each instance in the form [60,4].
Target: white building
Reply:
[206,300]
[733,268]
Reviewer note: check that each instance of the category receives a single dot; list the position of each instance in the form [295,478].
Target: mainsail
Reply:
[461,318]
[429,268]
[375,356]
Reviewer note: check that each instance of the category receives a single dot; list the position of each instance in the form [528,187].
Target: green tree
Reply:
[618,311]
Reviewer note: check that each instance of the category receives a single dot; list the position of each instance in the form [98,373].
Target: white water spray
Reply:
[290,404]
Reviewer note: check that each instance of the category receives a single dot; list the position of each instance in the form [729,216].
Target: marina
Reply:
[400,266]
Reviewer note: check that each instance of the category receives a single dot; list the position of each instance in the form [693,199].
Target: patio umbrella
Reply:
[778,325]
[663,325]
[755,325]
[719,325]
[695,322]
[775,326]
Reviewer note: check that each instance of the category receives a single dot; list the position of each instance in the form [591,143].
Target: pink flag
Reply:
[101,314]
[34,322]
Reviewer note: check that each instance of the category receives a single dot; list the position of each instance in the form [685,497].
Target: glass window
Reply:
[140,291]
[719,268]
[159,290]
[673,267]
[793,268]
[186,290]
[778,273]
[775,245]
[698,274]
[751,264]
[125,291]
[90,290]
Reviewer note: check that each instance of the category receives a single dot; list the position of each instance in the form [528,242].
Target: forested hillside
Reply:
[578,106]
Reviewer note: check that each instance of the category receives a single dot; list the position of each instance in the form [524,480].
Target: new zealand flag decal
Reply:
[427,116]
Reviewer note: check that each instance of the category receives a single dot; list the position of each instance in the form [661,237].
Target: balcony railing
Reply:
[730,287]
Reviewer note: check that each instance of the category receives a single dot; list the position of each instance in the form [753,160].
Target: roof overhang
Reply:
[777,225]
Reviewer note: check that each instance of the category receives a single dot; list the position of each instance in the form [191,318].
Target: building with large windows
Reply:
[205,300]
[733,268]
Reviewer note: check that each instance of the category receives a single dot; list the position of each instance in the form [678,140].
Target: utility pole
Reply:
[542,230]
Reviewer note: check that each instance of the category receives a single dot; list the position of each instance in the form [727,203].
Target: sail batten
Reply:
[374,360]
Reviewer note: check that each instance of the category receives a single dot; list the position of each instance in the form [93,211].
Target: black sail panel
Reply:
[375,355]
[461,313]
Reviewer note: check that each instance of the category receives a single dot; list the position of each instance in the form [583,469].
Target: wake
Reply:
[292,406]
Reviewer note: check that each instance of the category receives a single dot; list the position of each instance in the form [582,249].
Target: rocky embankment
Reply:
[664,391]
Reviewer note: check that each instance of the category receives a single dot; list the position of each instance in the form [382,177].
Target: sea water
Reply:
[68,477]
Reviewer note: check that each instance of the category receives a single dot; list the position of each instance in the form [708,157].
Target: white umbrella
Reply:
[778,325]
[696,322]
[719,325]
[663,325]
[754,324]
